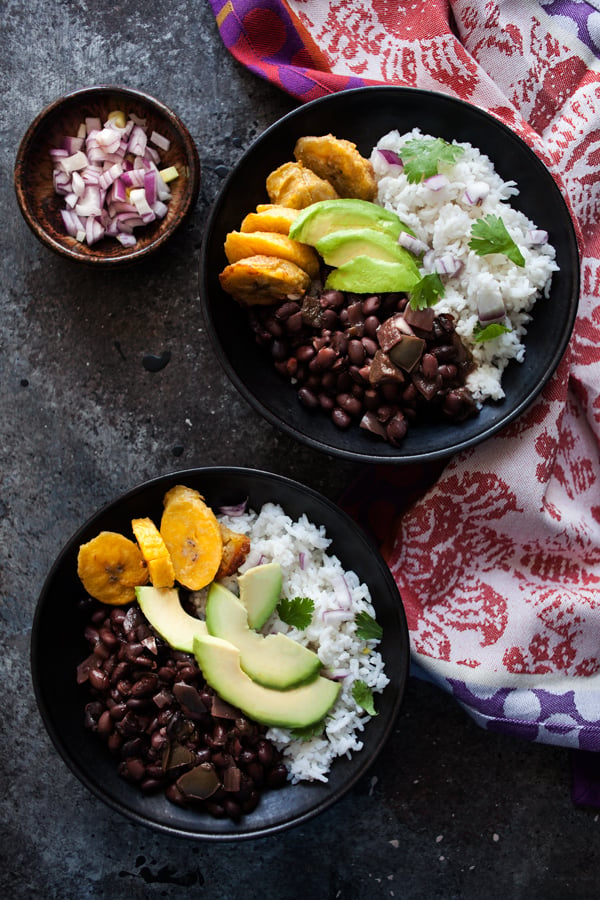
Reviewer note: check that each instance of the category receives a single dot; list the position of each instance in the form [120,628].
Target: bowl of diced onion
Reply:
[106,174]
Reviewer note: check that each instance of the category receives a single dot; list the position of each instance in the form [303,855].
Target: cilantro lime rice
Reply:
[341,612]
[493,262]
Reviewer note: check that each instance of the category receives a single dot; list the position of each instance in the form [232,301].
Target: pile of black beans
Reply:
[326,345]
[165,726]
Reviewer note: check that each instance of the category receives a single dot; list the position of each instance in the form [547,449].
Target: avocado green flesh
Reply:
[260,590]
[325,216]
[297,707]
[162,607]
[273,660]
[340,247]
[364,275]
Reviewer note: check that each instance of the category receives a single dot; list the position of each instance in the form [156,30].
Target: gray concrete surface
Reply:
[448,811]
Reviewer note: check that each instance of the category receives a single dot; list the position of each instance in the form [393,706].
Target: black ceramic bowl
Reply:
[41,206]
[58,625]
[363,116]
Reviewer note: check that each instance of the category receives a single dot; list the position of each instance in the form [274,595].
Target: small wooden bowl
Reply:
[41,206]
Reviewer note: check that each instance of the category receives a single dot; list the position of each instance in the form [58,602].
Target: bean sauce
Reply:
[165,726]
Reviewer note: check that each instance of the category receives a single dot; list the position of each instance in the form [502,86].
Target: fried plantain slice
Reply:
[192,536]
[155,553]
[295,185]
[110,567]
[241,245]
[236,547]
[339,162]
[273,218]
[262,280]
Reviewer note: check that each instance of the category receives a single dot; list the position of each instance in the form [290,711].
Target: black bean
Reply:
[307,398]
[98,679]
[105,724]
[370,305]
[340,418]
[305,353]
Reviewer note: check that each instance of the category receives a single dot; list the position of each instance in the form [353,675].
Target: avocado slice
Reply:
[260,590]
[273,660]
[365,275]
[340,247]
[325,216]
[297,707]
[162,607]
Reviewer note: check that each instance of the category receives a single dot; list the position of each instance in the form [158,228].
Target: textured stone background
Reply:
[447,811]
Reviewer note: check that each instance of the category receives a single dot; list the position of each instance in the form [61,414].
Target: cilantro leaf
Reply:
[489,235]
[489,332]
[427,291]
[421,157]
[296,612]
[363,696]
[367,627]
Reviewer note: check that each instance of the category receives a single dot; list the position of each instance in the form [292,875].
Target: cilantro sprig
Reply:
[363,696]
[422,157]
[489,332]
[427,291]
[490,235]
[296,611]
[367,627]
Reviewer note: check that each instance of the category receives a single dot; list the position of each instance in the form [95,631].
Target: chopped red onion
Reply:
[336,616]
[301,560]
[109,177]
[72,163]
[234,510]
[160,140]
[436,182]
[537,236]
[337,674]
[390,156]
[428,261]
[490,307]
[411,243]
[446,264]
[476,192]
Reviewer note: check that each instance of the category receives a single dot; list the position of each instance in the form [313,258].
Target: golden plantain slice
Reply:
[295,185]
[262,280]
[339,162]
[273,218]
[155,553]
[110,566]
[192,536]
[241,245]
[236,547]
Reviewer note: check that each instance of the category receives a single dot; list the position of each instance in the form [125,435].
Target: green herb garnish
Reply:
[422,156]
[367,627]
[363,696]
[296,612]
[489,332]
[427,291]
[489,235]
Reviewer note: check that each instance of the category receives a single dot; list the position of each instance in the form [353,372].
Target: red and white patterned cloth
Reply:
[498,562]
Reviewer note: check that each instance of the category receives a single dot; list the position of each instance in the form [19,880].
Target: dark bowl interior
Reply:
[363,116]
[58,646]
[40,204]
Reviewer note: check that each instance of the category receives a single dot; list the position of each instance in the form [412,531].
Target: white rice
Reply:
[300,548]
[442,219]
